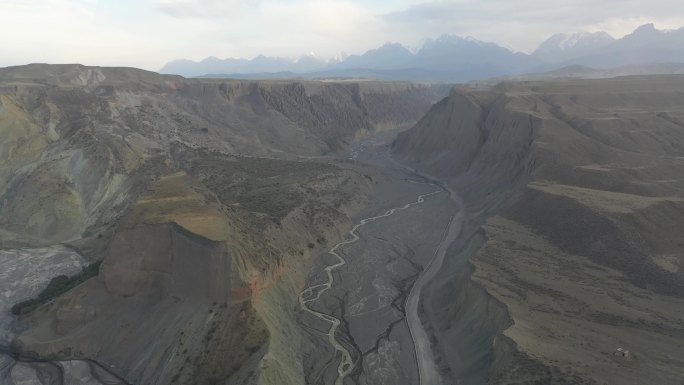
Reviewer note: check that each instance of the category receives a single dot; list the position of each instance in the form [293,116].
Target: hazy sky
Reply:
[149,33]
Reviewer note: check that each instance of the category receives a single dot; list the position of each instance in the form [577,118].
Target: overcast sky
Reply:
[149,33]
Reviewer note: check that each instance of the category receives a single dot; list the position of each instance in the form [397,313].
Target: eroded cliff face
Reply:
[204,200]
[580,184]
[477,142]
[169,286]
[81,137]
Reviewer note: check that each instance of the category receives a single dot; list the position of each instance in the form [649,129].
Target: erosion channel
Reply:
[361,302]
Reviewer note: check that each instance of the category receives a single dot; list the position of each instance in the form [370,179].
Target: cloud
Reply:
[430,11]
[72,31]
[523,24]
[201,8]
[534,11]
[278,28]
[149,33]
[27,7]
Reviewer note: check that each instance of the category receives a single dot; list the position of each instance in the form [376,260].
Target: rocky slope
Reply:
[205,202]
[579,188]
[83,137]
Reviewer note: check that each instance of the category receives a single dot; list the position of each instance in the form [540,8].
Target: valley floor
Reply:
[370,291]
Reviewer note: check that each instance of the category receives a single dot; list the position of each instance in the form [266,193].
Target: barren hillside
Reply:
[579,186]
[192,210]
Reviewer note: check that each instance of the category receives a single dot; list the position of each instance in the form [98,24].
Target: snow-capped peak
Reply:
[572,44]
[570,41]
[562,41]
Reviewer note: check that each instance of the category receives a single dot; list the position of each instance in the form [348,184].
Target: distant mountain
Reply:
[447,58]
[563,47]
[470,58]
[390,56]
[259,64]
[643,46]
[456,59]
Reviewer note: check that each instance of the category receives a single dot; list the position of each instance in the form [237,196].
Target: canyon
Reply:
[215,231]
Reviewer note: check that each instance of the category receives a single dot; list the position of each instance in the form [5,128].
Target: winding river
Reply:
[313,293]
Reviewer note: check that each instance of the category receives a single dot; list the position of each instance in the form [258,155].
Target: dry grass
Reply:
[602,200]
[572,313]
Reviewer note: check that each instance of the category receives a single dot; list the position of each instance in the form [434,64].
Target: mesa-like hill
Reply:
[580,188]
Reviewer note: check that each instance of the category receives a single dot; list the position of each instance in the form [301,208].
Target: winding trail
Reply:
[313,293]
[428,373]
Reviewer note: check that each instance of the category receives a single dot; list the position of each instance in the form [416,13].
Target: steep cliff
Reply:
[578,188]
[81,137]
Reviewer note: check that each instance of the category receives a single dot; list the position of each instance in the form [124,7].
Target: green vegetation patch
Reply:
[57,286]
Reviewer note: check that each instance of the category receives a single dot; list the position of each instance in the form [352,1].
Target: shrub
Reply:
[57,286]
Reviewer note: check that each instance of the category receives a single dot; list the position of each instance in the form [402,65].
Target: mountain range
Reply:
[454,58]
